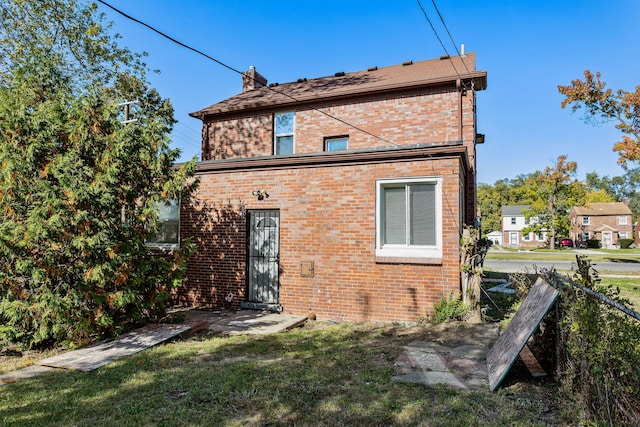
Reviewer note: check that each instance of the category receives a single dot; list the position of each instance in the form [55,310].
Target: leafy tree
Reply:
[491,198]
[552,193]
[79,189]
[603,104]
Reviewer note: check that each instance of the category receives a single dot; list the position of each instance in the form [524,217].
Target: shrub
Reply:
[625,243]
[600,352]
[448,309]
[593,243]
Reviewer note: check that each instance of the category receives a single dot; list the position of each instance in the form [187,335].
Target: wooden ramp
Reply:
[95,356]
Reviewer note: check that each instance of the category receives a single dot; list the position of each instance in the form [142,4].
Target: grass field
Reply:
[629,289]
[319,375]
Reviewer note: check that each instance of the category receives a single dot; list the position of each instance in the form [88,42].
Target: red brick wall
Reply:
[328,212]
[422,116]
[327,216]
[238,137]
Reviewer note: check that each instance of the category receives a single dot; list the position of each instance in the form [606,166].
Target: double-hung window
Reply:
[168,234]
[585,220]
[283,133]
[409,218]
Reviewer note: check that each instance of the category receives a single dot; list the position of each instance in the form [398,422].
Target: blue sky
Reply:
[526,47]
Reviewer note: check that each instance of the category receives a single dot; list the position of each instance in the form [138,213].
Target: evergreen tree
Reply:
[79,189]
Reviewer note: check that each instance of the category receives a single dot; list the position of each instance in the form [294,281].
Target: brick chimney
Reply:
[252,80]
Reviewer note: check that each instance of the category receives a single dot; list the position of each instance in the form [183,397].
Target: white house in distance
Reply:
[513,221]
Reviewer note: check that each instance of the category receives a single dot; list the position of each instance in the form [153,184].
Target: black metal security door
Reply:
[264,257]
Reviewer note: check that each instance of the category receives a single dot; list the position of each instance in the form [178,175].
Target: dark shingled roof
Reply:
[515,210]
[375,80]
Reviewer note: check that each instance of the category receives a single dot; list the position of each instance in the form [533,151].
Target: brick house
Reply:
[606,222]
[513,222]
[343,195]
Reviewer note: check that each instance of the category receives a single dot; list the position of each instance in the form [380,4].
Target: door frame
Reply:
[272,265]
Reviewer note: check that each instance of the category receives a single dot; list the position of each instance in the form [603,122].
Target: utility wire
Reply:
[455,46]
[199,52]
[424,12]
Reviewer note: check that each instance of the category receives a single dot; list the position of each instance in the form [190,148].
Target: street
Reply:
[514,266]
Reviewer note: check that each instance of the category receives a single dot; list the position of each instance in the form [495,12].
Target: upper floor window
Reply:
[622,220]
[513,221]
[408,219]
[585,220]
[336,143]
[284,125]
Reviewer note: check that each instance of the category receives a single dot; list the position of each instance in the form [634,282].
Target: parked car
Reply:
[565,243]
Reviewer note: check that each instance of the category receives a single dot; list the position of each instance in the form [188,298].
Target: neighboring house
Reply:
[606,222]
[495,237]
[513,222]
[343,195]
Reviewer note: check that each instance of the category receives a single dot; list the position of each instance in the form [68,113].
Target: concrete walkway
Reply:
[97,355]
[244,322]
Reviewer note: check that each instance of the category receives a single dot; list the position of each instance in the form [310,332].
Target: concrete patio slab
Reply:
[461,366]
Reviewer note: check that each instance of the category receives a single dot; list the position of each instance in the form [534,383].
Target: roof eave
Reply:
[479,78]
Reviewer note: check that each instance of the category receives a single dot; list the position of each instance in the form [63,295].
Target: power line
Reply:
[199,52]
[424,12]
[455,46]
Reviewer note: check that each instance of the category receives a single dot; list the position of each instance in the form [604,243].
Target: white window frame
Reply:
[513,220]
[332,139]
[586,220]
[623,235]
[622,220]
[277,135]
[409,251]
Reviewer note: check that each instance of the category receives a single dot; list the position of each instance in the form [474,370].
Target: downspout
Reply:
[460,92]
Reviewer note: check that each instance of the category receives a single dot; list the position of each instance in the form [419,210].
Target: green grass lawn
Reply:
[319,375]
[629,289]
[606,255]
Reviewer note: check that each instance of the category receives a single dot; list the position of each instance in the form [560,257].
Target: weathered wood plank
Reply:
[524,323]
[532,364]
[95,356]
